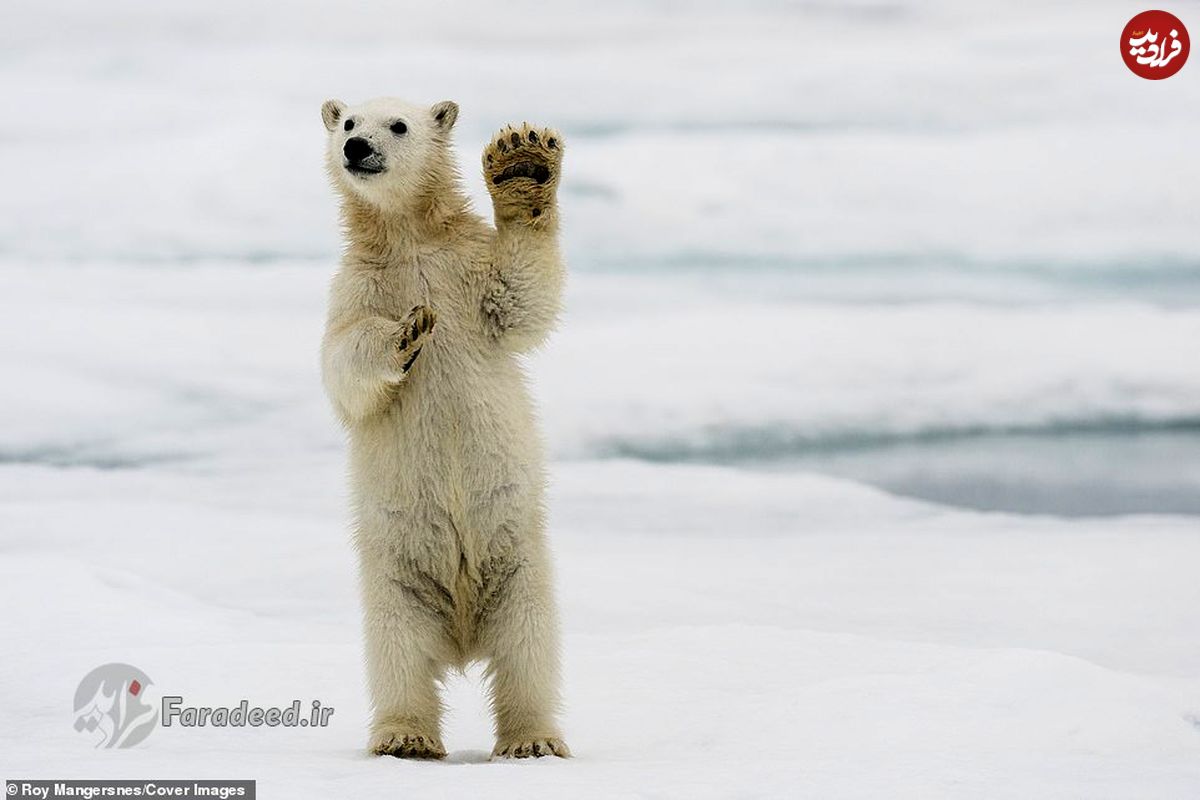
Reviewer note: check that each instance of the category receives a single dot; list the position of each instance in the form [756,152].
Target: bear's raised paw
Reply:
[521,166]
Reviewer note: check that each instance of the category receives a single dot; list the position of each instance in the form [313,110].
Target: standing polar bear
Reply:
[427,314]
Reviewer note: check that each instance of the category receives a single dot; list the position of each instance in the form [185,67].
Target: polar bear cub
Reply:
[427,313]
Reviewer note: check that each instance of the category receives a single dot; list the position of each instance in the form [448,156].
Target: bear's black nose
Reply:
[356,149]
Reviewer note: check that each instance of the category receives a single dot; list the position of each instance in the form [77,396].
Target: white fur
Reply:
[446,465]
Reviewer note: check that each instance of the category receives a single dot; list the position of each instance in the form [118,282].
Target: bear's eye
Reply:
[349,126]
[399,128]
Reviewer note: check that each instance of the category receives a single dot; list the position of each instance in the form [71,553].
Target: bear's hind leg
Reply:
[405,663]
[519,633]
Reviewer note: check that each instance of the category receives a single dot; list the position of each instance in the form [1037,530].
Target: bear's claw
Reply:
[411,336]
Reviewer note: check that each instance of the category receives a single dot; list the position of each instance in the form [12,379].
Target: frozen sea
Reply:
[874,415]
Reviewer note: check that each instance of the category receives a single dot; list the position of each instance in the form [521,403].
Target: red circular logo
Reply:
[1155,45]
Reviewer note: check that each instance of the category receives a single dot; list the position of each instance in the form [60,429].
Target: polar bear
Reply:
[427,313]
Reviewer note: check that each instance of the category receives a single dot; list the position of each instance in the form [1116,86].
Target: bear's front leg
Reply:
[362,362]
[522,299]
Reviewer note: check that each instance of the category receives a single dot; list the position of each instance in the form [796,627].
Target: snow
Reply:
[830,262]
[837,641]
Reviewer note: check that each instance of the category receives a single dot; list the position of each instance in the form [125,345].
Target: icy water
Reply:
[1107,470]
[1080,474]
[1088,461]
[1085,473]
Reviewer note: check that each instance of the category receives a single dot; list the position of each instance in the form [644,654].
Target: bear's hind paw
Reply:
[406,745]
[531,748]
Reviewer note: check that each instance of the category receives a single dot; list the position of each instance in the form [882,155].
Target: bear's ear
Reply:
[444,114]
[331,113]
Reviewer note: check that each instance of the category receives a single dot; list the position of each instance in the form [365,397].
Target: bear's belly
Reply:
[456,443]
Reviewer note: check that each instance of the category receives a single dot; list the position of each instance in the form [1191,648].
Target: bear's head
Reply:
[388,152]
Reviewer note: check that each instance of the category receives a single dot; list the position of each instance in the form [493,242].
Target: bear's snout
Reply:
[361,158]
[356,149]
